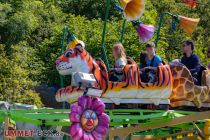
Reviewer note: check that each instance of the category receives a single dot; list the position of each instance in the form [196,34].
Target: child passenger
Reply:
[118,51]
[143,63]
[152,62]
[143,60]
[153,59]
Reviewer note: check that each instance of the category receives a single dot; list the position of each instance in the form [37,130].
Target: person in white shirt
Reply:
[118,51]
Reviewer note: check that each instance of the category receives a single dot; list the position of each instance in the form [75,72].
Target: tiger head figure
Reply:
[73,60]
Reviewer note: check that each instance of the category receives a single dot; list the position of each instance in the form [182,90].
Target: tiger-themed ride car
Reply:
[173,86]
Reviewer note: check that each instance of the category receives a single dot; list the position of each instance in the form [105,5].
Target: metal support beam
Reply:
[123,30]
[103,35]
[160,25]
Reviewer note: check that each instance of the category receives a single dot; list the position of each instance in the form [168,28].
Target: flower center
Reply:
[89,120]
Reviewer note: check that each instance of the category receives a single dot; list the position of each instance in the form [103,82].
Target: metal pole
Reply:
[198,130]
[158,31]
[65,29]
[160,25]
[103,34]
[123,30]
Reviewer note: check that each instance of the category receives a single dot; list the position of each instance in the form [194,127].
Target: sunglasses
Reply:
[208,51]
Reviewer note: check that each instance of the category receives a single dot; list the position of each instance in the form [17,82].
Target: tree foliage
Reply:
[16,85]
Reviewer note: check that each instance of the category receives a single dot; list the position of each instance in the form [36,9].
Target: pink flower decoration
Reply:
[89,122]
[145,32]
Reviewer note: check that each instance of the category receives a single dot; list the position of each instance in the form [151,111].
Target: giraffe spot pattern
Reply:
[197,91]
[202,96]
[175,83]
[190,96]
[188,86]
[180,91]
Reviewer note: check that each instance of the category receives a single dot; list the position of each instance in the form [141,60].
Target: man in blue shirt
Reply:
[191,60]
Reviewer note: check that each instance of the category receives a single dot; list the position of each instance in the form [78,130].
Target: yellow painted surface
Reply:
[206,129]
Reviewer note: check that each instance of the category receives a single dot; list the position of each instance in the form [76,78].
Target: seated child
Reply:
[143,60]
[152,62]
[153,59]
[118,51]
[143,63]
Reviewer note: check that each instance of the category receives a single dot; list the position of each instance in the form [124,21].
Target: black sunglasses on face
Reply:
[208,51]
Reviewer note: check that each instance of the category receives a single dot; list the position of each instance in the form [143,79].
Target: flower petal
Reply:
[97,135]
[74,117]
[104,123]
[85,102]
[101,130]
[98,106]
[74,128]
[88,136]
[91,137]
[85,136]
[104,118]
[145,32]
[79,134]
[77,109]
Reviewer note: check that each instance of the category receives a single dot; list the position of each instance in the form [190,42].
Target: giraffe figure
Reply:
[184,90]
[205,78]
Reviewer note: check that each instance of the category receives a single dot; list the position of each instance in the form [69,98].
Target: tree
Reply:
[16,86]
[88,8]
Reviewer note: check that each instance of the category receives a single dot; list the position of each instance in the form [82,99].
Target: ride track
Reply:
[124,122]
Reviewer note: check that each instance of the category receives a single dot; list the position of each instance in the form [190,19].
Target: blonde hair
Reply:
[121,50]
